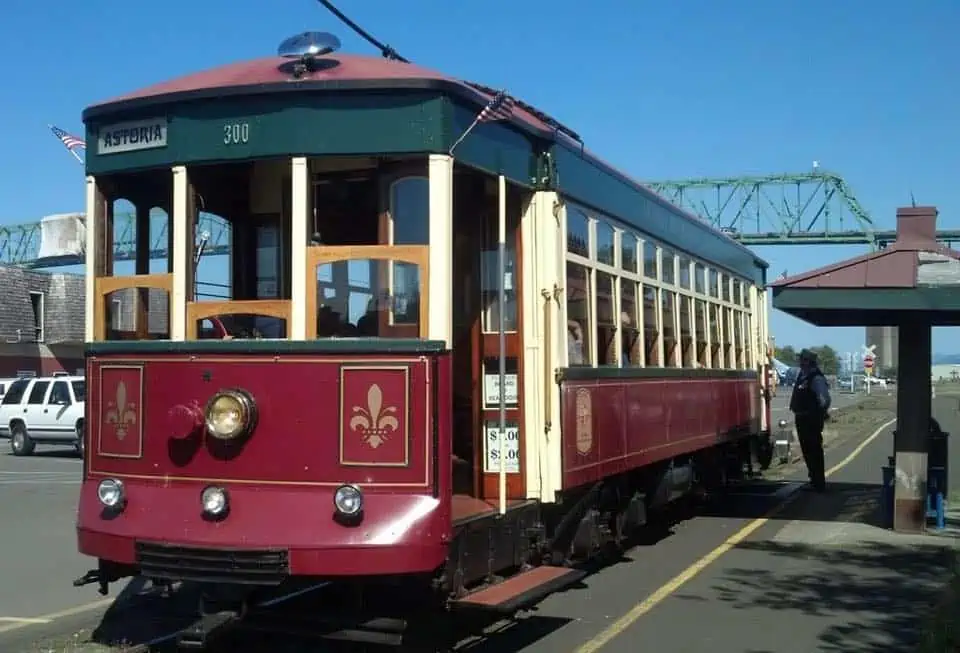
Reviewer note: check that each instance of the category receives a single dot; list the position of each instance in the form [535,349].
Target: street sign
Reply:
[869,358]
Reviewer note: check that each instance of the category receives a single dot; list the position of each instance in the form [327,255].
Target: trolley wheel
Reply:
[764,452]
[21,444]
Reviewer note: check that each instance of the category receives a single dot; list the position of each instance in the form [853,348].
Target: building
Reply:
[41,322]
[887,341]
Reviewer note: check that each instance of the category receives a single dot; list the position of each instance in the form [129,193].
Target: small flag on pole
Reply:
[71,142]
[500,107]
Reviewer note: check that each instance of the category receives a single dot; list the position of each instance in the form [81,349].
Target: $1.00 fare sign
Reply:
[511,449]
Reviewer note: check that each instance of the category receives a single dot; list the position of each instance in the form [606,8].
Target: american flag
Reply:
[499,108]
[69,141]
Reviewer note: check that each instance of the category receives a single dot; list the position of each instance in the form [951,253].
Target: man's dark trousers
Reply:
[810,435]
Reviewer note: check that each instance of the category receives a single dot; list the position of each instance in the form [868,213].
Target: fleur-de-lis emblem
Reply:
[122,415]
[375,423]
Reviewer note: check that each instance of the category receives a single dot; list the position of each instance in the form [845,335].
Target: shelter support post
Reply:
[913,427]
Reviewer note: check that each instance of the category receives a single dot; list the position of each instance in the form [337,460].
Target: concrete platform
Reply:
[822,576]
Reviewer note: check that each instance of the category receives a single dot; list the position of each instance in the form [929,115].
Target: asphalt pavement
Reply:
[823,576]
[37,601]
[38,559]
[780,405]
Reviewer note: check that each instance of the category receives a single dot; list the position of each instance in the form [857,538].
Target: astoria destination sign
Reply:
[132,136]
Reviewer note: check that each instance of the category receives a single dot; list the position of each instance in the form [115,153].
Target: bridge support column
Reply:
[913,427]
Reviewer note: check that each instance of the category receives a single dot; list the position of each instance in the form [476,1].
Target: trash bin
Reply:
[938,488]
[937,478]
[886,491]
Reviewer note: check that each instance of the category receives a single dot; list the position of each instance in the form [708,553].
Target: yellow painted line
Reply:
[678,581]
[53,616]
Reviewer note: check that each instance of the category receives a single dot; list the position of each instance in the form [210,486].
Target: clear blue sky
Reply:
[661,89]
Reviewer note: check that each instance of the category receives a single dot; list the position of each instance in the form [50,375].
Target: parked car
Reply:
[44,410]
[5,385]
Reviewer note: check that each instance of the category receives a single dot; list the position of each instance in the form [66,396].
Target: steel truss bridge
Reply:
[812,208]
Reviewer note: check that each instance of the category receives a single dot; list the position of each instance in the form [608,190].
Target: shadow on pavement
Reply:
[860,587]
[755,500]
[881,593]
[137,617]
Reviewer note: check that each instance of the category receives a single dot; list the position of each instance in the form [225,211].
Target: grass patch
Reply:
[942,631]
[78,642]
[862,418]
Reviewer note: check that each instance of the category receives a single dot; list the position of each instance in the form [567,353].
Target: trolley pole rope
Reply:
[501,330]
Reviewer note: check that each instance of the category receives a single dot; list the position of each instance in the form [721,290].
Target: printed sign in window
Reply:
[511,448]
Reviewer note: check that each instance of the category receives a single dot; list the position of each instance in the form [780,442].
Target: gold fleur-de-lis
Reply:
[123,415]
[375,423]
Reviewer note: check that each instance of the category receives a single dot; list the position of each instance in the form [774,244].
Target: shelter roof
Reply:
[915,277]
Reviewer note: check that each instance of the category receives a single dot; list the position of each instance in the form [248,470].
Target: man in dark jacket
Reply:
[810,404]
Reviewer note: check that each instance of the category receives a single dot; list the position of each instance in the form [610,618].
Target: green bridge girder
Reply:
[809,208]
[20,243]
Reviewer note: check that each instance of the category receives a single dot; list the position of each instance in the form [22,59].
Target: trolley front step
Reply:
[520,591]
[199,635]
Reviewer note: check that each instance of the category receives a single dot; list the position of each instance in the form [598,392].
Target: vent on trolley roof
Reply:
[305,51]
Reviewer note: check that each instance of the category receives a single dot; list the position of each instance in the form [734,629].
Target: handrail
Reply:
[104,286]
[196,311]
[318,255]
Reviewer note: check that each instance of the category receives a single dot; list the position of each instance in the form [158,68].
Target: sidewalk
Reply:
[821,576]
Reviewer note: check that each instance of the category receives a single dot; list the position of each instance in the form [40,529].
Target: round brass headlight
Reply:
[230,414]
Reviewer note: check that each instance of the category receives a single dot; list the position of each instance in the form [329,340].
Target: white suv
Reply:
[45,410]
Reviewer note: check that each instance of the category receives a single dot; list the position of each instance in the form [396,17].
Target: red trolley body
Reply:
[323,419]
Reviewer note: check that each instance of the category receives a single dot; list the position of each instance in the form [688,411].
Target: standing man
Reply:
[810,404]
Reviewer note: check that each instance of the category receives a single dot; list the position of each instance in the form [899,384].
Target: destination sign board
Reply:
[132,136]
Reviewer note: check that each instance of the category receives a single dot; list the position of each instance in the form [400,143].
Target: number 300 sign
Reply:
[236,133]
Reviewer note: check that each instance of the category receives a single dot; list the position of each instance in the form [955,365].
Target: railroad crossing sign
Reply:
[869,358]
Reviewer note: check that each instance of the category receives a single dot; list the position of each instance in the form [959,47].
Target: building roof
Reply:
[913,276]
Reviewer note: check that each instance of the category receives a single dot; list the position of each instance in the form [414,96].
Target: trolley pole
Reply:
[501,332]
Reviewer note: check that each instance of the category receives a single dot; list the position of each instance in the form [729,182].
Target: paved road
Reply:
[780,406]
[38,559]
[40,495]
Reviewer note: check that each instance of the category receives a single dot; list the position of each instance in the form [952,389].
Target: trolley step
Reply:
[197,636]
[520,591]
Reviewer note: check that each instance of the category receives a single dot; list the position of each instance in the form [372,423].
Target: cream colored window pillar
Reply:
[440,260]
[300,220]
[182,233]
[94,226]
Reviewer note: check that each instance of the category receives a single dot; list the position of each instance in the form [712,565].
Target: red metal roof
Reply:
[266,71]
[898,266]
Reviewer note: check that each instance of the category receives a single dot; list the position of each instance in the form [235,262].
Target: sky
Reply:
[662,90]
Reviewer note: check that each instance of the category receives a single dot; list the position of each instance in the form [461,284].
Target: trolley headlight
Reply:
[230,414]
[215,501]
[348,500]
[111,493]
[782,424]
